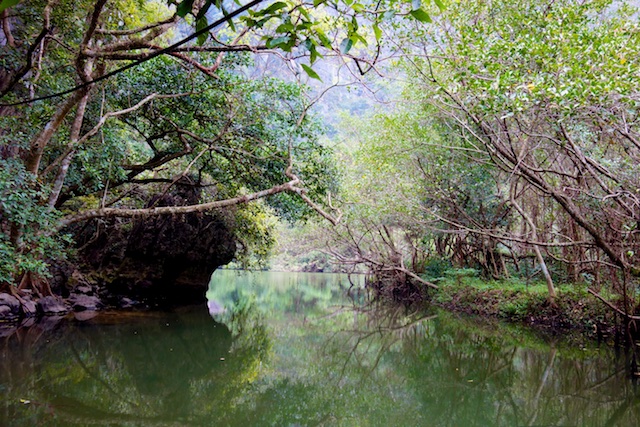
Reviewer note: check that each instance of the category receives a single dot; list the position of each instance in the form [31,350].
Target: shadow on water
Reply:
[293,350]
[117,368]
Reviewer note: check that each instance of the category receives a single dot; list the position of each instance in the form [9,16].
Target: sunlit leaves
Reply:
[421,15]
[569,57]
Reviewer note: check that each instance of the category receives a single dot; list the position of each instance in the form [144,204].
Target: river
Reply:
[300,349]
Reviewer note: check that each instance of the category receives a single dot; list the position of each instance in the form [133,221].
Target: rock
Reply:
[82,302]
[52,306]
[5,312]
[159,259]
[9,307]
[127,302]
[29,308]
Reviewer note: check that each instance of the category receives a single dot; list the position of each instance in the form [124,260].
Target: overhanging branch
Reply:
[177,210]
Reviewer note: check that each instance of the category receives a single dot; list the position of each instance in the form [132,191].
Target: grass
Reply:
[515,300]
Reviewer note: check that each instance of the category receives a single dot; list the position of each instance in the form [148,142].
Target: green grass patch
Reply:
[516,300]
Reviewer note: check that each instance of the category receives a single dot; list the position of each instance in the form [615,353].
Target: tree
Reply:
[103,149]
[534,107]
[548,90]
[184,110]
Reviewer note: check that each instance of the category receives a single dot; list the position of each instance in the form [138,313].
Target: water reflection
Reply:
[136,368]
[292,350]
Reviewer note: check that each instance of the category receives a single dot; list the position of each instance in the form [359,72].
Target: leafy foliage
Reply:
[24,223]
[193,114]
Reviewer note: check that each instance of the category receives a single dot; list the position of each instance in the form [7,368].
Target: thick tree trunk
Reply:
[73,139]
[38,144]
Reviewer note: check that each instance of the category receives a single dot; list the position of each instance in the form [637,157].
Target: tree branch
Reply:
[176,210]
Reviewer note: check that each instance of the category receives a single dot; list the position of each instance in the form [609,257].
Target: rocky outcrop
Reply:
[52,306]
[160,258]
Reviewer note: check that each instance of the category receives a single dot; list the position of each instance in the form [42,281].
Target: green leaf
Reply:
[314,55]
[274,8]
[388,15]
[324,40]
[285,28]
[377,31]
[310,72]
[203,10]
[5,4]
[184,7]
[278,42]
[345,45]
[201,23]
[355,37]
[421,15]
[225,14]
[440,5]
[305,13]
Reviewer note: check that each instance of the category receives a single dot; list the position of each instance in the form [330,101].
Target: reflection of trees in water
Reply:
[387,365]
[459,374]
[377,365]
[278,293]
[156,369]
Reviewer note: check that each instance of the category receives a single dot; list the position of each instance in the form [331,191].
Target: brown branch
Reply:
[611,306]
[28,66]
[139,42]
[176,210]
[68,157]
[117,55]
[301,192]
[101,123]
[6,29]
[92,24]
[38,144]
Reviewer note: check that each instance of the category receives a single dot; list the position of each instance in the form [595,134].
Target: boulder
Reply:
[83,289]
[83,316]
[81,302]
[9,307]
[52,306]
[29,308]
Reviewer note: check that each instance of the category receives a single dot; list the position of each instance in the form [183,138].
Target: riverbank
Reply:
[574,311]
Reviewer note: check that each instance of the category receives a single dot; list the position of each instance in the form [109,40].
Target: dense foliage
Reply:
[518,131]
[193,116]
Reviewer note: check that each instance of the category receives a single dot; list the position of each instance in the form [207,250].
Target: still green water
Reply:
[288,349]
